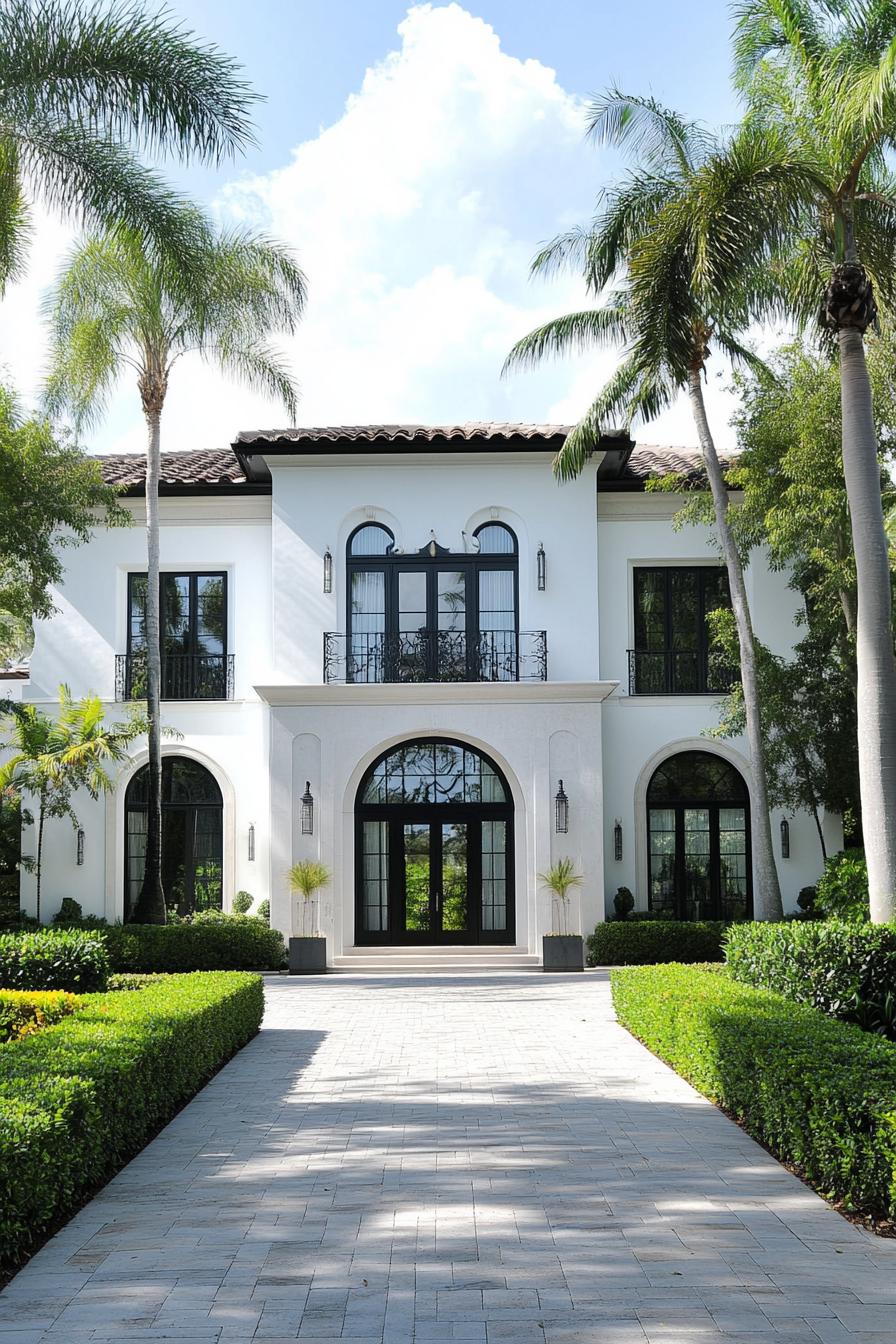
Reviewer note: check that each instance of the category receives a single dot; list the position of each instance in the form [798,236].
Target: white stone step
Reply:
[429,960]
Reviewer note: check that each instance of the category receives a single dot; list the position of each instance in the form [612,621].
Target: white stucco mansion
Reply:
[408,652]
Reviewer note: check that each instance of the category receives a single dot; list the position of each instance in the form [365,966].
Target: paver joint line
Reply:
[453,1160]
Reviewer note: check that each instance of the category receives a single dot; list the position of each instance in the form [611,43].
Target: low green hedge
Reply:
[836,966]
[644,943]
[820,1094]
[23,1011]
[69,959]
[80,1098]
[234,944]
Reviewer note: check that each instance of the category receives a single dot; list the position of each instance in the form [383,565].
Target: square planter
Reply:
[307,956]
[563,952]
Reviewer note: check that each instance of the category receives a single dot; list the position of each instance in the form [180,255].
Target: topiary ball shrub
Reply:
[70,959]
[842,890]
[623,903]
[648,942]
[264,911]
[69,912]
[242,903]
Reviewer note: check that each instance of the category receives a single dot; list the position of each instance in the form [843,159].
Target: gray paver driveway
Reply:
[482,1158]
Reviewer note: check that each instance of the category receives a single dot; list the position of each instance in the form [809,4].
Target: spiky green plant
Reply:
[308,877]
[560,879]
[118,309]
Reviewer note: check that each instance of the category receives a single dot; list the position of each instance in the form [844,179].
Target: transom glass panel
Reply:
[433,772]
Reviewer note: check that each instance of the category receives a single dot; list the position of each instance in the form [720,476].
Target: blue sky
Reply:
[414,156]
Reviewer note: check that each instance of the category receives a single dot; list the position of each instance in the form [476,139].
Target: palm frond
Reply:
[654,134]
[260,366]
[570,334]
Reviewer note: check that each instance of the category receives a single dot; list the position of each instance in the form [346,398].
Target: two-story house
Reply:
[408,652]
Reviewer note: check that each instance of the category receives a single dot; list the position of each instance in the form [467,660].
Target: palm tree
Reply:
[51,758]
[824,71]
[116,308]
[78,81]
[681,239]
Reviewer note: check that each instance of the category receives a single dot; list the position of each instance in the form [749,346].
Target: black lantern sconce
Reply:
[785,838]
[617,841]
[252,842]
[561,811]
[542,562]
[80,848]
[328,571]
[307,810]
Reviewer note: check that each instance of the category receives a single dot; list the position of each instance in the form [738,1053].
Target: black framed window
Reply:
[672,653]
[192,837]
[698,839]
[192,631]
[433,615]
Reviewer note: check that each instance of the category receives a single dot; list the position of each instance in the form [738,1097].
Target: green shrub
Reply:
[242,903]
[820,1094]
[842,889]
[69,959]
[843,969]
[264,911]
[79,1099]
[127,980]
[212,942]
[23,1011]
[69,912]
[623,902]
[645,942]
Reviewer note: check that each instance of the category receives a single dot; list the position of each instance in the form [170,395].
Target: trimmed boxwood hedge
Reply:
[819,1093]
[623,942]
[235,944]
[830,964]
[77,1100]
[69,959]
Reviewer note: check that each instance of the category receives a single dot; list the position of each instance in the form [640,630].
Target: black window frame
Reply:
[432,559]
[668,652]
[193,575]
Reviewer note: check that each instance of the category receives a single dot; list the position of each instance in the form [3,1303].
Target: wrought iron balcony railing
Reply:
[678,672]
[436,655]
[185,676]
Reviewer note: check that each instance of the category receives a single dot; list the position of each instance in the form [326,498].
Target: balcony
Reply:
[185,676]
[436,656]
[678,672]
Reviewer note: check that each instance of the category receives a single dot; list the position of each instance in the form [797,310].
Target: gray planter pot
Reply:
[307,956]
[563,952]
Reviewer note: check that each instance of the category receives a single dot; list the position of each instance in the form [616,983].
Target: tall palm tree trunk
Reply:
[875,661]
[767,892]
[41,817]
[150,908]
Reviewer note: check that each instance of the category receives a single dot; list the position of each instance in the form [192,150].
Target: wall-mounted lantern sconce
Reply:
[328,571]
[307,810]
[252,842]
[542,561]
[80,859]
[561,811]
[785,838]
[617,841]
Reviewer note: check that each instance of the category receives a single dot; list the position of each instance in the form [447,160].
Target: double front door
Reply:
[432,881]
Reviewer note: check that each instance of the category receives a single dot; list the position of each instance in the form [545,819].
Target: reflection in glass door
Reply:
[418,896]
[697,861]
[454,896]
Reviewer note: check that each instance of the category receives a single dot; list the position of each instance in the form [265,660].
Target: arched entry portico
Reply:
[434,847]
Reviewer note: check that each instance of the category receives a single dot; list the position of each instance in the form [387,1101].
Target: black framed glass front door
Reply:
[434,848]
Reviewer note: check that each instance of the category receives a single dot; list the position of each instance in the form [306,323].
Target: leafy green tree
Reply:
[682,240]
[84,87]
[51,758]
[822,74]
[116,310]
[51,496]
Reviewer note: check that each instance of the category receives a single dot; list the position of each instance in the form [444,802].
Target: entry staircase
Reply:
[463,960]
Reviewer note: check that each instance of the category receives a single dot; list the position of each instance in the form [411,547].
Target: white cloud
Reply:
[415,216]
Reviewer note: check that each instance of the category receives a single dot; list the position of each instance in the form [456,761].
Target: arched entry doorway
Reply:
[434,847]
[698,839]
[192,836]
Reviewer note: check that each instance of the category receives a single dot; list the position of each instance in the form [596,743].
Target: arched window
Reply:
[433,615]
[698,838]
[192,836]
[434,847]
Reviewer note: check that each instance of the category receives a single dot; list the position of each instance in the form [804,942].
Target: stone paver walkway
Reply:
[455,1159]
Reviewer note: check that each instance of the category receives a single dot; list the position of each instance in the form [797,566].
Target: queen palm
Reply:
[681,240]
[115,310]
[82,87]
[826,71]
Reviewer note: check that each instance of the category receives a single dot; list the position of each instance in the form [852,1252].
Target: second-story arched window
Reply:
[434,615]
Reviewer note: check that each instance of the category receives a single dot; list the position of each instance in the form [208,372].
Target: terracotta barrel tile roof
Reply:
[474,429]
[212,466]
